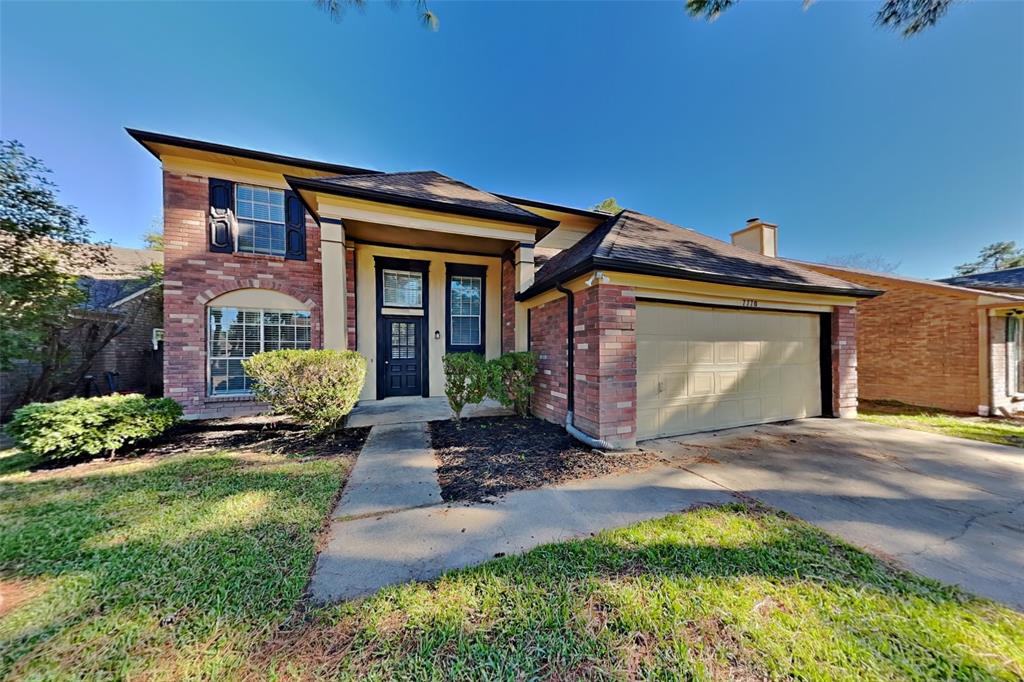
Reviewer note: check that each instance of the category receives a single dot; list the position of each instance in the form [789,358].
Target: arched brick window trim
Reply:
[242,283]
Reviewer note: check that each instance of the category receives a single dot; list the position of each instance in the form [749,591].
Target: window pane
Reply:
[235,334]
[465,330]
[465,294]
[260,213]
[404,289]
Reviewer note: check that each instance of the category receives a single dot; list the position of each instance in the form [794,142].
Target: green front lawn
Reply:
[173,566]
[192,566]
[715,593]
[989,430]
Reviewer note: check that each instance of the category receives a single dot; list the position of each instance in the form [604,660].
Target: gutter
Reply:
[570,305]
[613,265]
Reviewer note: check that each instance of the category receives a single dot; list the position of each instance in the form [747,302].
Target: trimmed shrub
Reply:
[91,426]
[465,380]
[510,380]
[316,387]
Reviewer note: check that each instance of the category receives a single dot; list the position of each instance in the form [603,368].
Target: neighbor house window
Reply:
[239,333]
[260,215]
[403,289]
[466,295]
[1014,355]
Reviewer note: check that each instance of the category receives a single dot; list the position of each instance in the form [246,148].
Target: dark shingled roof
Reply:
[1010,278]
[427,189]
[634,242]
[127,272]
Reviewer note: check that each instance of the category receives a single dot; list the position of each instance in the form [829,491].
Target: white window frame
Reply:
[384,287]
[478,316]
[283,223]
[210,357]
[1014,356]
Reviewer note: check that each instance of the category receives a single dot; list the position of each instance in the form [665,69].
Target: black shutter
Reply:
[294,227]
[222,215]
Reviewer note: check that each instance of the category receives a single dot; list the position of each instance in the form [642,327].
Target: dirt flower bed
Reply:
[481,459]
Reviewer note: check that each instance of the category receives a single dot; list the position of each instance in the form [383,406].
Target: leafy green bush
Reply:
[465,380]
[510,380]
[91,426]
[317,387]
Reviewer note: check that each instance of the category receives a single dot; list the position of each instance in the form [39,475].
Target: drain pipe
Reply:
[570,305]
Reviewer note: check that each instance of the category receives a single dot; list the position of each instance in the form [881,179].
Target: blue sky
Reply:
[851,138]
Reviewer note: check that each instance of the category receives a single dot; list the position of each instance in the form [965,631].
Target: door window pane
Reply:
[403,289]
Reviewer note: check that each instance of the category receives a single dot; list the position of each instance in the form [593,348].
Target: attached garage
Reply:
[703,368]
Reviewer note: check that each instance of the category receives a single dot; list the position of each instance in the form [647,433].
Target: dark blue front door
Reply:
[402,361]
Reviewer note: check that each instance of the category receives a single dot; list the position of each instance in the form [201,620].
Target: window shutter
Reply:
[222,215]
[294,227]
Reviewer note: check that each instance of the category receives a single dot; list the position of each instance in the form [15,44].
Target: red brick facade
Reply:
[917,344]
[604,362]
[508,305]
[844,361]
[194,276]
[350,296]
[548,336]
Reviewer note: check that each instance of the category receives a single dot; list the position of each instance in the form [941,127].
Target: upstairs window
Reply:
[403,289]
[261,225]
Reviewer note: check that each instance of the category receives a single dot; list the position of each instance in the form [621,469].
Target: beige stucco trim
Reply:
[332,267]
[366,308]
[343,208]
[257,298]
[224,171]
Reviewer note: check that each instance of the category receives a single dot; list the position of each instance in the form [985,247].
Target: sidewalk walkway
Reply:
[395,471]
[366,554]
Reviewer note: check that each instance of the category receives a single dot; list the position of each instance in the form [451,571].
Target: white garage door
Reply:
[700,369]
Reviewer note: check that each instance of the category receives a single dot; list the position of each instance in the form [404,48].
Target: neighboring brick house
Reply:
[642,328]
[129,363]
[942,343]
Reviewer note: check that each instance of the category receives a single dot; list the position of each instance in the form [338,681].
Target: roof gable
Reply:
[634,242]
[424,189]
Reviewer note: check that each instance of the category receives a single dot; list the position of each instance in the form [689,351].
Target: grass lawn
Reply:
[714,593]
[192,566]
[172,566]
[989,430]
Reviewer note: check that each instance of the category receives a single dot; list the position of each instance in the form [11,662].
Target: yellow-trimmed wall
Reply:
[366,308]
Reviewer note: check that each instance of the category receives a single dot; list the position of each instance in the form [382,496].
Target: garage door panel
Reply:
[708,368]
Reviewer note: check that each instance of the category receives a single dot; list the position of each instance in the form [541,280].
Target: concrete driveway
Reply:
[947,508]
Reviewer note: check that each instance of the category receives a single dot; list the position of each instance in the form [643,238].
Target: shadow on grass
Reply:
[732,592]
[180,564]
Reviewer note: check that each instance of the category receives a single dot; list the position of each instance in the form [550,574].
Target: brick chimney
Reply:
[758,236]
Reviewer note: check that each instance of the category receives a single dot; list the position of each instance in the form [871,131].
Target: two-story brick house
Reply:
[643,328]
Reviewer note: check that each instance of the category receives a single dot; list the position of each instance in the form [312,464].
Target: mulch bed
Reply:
[267,435]
[255,434]
[484,458]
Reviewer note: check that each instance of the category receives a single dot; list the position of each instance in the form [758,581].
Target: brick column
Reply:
[605,364]
[548,336]
[350,295]
[508,304]
[844,361]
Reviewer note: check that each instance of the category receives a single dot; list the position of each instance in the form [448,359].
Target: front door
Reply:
[402,361]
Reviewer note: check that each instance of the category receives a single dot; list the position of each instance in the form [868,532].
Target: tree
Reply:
[46,247]
[912,16]
[997,256]
[337,8]
[40,238]
[609,205]
[864,261]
